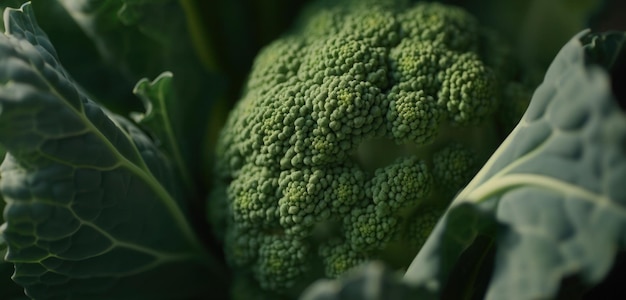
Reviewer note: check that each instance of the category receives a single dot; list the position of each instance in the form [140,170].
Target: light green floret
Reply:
[399,186]
[278,63]
[311,196]
[468,91]
[413,117]
[348,128]
[280,261]
[374,21]
[442,26]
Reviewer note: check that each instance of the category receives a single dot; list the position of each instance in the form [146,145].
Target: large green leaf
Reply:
[93,207]
[551,198]
[144,38]
[82,59]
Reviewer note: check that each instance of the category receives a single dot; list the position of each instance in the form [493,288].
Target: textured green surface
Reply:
[93,207]
[341,130]
[554,187]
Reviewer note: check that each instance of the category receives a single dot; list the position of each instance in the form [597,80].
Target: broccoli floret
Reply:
[339,257]
[452,167]
[353,132]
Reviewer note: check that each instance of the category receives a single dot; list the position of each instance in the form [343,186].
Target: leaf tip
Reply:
[10,13]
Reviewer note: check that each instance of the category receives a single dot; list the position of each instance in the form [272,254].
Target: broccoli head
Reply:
[353,132]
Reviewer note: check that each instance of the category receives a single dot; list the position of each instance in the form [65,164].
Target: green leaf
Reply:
[552,193]
[137,36]
[8,3]
[8,289]
[143,39]
[161,119]
[93,208]
[373,281]
[81,58]
[606,49]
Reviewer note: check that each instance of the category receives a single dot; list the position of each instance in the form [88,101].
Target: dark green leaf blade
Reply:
[81,58]
[139,37]
[142,39]
[554,187]
[91,210]
[161,119]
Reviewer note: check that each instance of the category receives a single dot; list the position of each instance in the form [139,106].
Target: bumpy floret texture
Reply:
[298,194]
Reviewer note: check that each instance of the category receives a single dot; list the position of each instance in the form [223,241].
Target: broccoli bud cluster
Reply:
[297,193]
